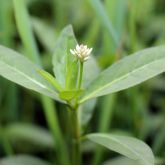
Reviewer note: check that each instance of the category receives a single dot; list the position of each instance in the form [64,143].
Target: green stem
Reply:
[5,142]
[80,75]
[7,147]
[53,123]
[76,135]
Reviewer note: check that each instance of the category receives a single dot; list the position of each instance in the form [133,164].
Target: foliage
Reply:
[68,90]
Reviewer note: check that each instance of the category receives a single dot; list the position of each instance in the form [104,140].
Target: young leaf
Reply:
[65,65]
[50,79]
[127,72]
[127,146]
[69,95]
[22,160]
[19,69]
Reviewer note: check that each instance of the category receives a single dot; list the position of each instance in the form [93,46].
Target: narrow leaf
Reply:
[102,15]
[65,65]
[19,69]
[25,30]
[127,146]
[51,79]
[127,72]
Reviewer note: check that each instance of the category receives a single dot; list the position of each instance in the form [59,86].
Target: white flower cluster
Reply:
[82,52]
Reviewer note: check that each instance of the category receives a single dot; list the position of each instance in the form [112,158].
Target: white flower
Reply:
[82,52]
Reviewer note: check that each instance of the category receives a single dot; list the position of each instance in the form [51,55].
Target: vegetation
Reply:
[83,65]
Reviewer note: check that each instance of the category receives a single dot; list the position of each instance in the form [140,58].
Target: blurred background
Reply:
[114,28]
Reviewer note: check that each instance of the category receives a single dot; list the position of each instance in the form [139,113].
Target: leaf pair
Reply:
[126,73]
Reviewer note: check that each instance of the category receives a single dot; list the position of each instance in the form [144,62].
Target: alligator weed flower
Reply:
[82,52]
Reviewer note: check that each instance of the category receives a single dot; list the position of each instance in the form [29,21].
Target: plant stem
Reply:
[80,75]
[53,123]
[76,135]
[5,142]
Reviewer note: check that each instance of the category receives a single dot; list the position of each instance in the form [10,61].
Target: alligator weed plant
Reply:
[76,83]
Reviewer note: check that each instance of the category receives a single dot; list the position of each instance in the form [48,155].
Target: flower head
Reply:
[82,52]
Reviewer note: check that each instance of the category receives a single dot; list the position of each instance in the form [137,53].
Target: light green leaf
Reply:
[125,161]
[51,79]
[69,95]
[65,65]
[19,69]
[31,134]
[22,160]
[127,72]
[127,146]
[122,161]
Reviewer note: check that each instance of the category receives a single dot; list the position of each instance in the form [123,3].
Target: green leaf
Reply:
[19,69]
[122,161]
[127,72]
[125,161]
[22,160]
[127,146]
[50,79]
[69,95]
[31,134]
[65,65]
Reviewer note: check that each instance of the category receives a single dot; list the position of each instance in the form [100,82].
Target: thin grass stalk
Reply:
[11,89]
[26,34]
[102,15]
